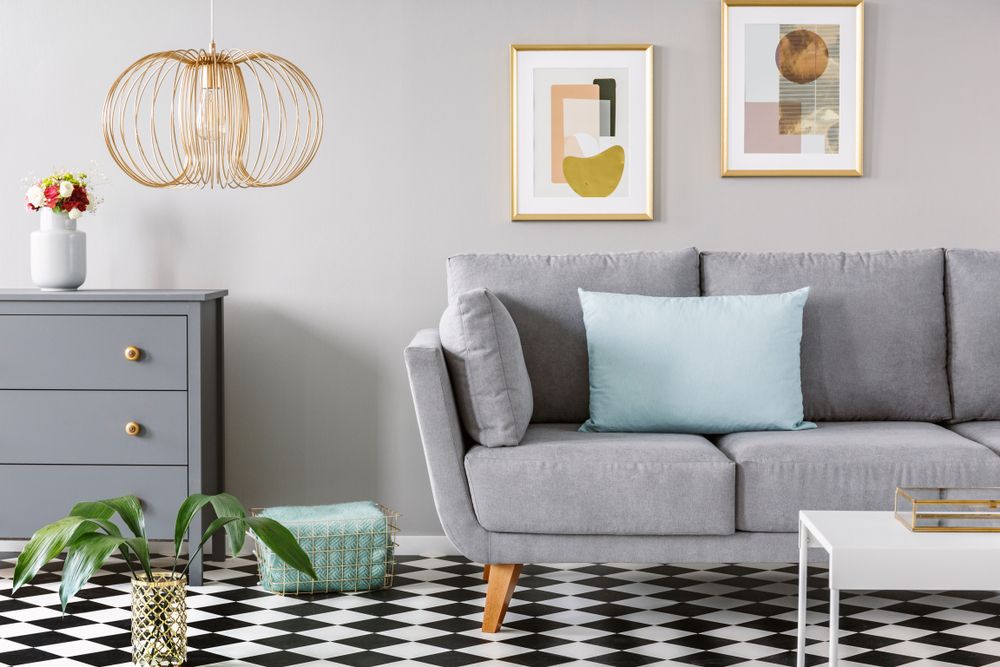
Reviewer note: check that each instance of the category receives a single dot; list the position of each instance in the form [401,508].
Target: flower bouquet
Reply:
[63,192]
[58,249]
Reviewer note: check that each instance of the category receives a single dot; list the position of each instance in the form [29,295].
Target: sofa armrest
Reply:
[444,445]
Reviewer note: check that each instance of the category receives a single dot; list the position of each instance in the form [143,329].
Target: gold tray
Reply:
[948,510]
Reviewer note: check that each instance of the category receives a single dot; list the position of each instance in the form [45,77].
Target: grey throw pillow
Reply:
[483,352]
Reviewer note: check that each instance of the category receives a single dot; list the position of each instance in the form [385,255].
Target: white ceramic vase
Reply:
[58,253]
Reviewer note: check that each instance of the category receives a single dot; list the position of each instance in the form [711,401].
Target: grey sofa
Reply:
[900,368]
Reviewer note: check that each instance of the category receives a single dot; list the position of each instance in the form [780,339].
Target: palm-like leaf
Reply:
[130,510]
[227,505]
[47,543]
[89,548]
[86,555]
[93,510]
[140,547]
[220,522]
[191,506]
[281,541]
[213,527]
[99,513]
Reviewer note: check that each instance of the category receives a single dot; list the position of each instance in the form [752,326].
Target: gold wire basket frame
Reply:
[159,619]
[966,515]
[333,584]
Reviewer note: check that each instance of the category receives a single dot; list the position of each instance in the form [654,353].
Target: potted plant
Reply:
[159,611]
[58,248]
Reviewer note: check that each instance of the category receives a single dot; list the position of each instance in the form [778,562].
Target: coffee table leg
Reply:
[800,650]
[834,624]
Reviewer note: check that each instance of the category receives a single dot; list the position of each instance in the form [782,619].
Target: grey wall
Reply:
[331,274]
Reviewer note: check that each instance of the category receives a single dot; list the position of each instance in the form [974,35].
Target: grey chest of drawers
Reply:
[106,393]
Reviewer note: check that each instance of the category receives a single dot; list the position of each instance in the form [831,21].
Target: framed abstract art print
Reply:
[581,132]
[792,87]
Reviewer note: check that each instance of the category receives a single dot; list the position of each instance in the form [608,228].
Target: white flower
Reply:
[74,213]
[65,188]
[35,196]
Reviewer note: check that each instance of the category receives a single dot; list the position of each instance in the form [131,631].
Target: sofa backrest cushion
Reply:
[540,292]
[973,288]
[874,334]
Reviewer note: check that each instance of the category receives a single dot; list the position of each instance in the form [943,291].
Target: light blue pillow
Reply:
[713,364]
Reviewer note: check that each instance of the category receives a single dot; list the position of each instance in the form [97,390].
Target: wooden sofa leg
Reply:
[486,572]
[502,580]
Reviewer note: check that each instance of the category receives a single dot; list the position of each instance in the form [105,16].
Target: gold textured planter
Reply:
[159,620]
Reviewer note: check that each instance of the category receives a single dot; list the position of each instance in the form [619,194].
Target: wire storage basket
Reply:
[352,547]
[159,619]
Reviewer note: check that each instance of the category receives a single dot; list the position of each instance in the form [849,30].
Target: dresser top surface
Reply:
[113,295]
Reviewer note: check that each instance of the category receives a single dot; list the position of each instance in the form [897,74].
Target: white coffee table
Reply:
[873,551]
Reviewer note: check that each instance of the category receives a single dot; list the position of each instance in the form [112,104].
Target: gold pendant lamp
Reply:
[230,118]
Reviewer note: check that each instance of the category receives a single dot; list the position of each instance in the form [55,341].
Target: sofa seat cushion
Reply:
[846,466]
[559,480]
[986,433]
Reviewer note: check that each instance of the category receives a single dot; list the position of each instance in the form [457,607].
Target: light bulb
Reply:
[210,117]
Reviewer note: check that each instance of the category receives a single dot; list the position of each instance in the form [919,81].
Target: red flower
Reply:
[52,196]
[77,200]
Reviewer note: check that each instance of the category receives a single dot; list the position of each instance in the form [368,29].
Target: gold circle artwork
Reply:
[197,118]
[802,56]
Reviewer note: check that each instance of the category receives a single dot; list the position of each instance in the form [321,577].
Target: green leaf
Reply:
[140,546]
[99,513]
[227,505]
[47,543]
[281,541]
[90,524]
[191,506]
[130,510]
[86,555]
[219,523]
[211,530]
[92,510]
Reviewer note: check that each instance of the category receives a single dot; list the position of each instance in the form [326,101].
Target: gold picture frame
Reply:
[643,208]
[855,168]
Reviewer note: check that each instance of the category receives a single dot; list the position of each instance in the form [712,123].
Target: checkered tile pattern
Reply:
[587,614]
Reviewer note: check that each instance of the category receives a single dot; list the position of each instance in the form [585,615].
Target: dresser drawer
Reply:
[89,427]
[32,496]
[88,352]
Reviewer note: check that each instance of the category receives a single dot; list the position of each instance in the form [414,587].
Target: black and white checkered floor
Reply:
[596,614]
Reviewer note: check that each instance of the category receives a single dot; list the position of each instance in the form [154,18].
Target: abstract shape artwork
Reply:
[792,88]
[805,69]
[763,130]
[802,55]
[595,176]
[582,124]
[607,88]
[581,132]
[561,130]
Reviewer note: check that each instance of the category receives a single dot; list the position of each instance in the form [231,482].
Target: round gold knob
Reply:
[133,428]
[132,353]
